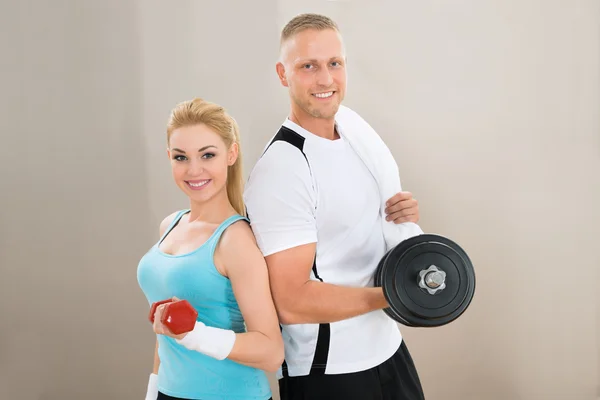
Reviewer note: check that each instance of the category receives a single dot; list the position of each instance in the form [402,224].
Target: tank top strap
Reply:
[216,236]
[172,224]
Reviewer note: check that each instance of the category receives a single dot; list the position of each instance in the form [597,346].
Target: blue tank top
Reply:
[194,277]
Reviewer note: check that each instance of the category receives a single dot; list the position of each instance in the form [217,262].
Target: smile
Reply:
[324,95]
[197,185]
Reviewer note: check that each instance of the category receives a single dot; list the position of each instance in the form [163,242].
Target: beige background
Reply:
[492,109]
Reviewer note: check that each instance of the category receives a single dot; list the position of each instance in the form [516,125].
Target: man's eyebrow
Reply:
[314,60]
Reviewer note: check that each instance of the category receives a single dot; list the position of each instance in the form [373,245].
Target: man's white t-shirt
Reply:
[307,189]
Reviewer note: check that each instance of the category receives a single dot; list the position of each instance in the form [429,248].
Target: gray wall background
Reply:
[492,109]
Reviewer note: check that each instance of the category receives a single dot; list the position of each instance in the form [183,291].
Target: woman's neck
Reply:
[213,211]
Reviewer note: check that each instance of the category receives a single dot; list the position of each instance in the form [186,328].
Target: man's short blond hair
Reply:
[306,21]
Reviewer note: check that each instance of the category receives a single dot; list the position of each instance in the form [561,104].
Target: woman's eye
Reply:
[208,155]
[179,158]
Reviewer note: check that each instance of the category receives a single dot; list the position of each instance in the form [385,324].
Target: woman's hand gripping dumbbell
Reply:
[173,317]
[178,319]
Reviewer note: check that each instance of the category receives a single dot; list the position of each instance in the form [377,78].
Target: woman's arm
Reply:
[156,360]
[152,389]
[241,260]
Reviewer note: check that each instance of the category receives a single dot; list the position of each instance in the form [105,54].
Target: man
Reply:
[315,211]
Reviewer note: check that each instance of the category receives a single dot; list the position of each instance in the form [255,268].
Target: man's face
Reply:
[313,67]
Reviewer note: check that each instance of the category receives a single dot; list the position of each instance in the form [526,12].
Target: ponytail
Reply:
[235,175]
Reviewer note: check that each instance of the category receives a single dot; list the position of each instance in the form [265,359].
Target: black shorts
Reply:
[394,379]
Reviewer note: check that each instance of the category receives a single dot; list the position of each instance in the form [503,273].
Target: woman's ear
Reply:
[232,155]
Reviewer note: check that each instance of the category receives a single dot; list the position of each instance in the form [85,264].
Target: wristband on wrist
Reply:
[214,342]
[152,391]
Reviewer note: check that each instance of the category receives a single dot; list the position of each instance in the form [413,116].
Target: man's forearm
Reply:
[318,302]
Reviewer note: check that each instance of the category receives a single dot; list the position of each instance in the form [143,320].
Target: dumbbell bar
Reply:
[428,281]
[179,316]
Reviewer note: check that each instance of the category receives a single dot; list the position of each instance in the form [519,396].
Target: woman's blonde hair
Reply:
[199,111]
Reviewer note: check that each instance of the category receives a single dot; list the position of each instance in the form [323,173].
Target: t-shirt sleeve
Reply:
[280,200]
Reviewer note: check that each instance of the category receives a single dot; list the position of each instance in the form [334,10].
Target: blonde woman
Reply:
[207,255]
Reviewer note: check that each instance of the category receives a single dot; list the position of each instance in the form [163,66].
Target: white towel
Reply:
[380,161]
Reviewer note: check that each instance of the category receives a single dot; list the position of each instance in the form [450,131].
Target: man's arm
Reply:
[281,202]
[300,300]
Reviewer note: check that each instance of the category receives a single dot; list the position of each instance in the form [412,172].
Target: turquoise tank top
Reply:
[194,277]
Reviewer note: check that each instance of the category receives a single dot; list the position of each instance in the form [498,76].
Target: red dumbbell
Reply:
[154,307]
[179,316]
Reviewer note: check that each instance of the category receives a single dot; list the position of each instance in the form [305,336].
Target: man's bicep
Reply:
[288,271]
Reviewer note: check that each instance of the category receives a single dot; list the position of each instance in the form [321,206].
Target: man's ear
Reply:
[281,73]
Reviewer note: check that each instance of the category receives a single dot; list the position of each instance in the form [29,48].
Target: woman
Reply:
[208,256]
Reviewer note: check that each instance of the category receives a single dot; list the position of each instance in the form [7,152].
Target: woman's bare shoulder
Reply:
[168,220]
[238,233]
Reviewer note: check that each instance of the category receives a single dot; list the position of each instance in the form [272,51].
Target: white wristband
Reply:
[214,342]
[152,391]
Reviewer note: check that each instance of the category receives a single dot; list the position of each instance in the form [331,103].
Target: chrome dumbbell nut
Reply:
[432,279]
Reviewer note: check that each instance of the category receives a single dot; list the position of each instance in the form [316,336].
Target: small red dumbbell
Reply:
[179,316]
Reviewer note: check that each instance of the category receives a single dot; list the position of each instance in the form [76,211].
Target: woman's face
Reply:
[199,161]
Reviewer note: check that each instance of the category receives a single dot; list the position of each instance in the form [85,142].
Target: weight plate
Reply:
[378,282]
[411,305]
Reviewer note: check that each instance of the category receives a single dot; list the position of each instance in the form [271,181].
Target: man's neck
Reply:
[322,127]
